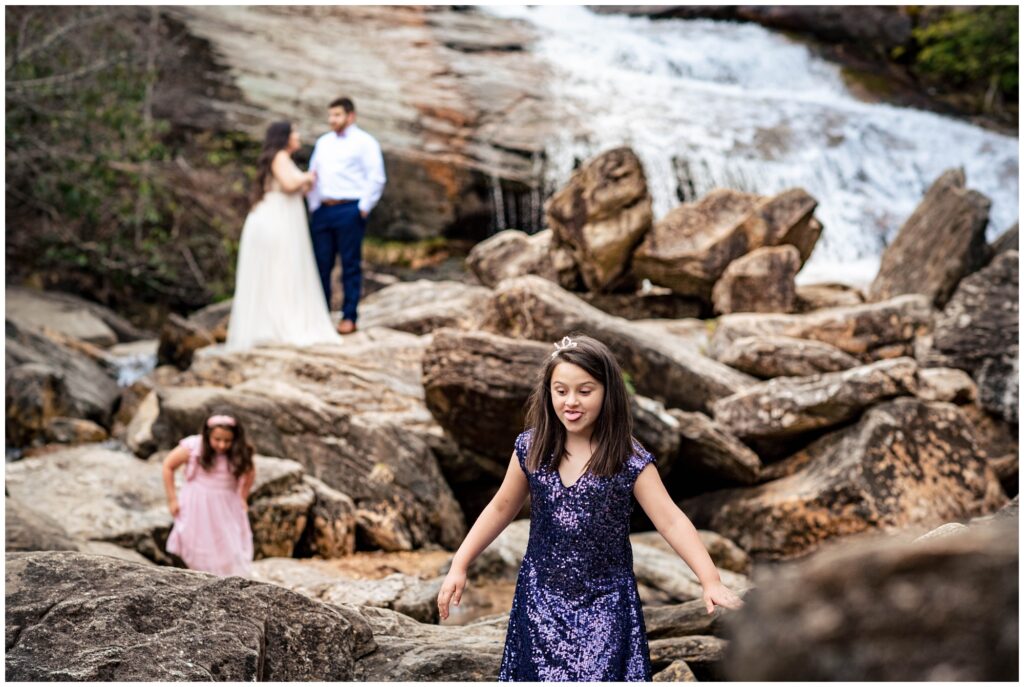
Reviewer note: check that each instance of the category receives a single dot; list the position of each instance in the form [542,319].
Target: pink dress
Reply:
[211,532]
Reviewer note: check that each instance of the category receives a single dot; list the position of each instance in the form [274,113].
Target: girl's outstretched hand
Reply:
[717,594]
[451,591]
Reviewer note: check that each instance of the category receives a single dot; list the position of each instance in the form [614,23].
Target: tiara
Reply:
[564,344]
[220,420]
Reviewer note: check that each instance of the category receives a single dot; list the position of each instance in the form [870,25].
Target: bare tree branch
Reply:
[55,35]
[67,79]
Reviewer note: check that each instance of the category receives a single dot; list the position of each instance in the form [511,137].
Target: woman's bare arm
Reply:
[288,175]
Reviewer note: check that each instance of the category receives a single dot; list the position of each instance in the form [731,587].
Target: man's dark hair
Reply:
[344,103]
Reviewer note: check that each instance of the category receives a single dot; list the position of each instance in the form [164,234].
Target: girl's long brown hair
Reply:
[613,429]
[240,455]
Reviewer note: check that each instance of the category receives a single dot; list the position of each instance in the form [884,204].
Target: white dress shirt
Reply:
[348,166]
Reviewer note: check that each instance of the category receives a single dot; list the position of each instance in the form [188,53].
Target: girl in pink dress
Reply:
[211,522]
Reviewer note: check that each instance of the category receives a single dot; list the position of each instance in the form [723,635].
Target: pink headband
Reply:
[220,420]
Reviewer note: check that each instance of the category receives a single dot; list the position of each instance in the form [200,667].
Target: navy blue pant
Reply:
[339,229]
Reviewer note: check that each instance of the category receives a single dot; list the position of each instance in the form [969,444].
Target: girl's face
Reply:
[221,439]
[576,397]
[294,142]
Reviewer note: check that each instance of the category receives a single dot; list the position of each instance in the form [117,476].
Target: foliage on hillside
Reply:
[102,197]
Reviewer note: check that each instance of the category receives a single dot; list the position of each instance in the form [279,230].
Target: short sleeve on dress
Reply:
[523,447]
[640,459]
[194,445]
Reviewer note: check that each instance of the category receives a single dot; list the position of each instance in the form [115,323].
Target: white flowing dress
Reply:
[278,296]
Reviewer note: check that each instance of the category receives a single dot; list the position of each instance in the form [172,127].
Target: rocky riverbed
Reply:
[849,455]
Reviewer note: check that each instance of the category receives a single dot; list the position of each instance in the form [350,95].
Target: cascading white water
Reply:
[717,104]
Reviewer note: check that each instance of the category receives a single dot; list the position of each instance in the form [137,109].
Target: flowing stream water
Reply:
[710,104]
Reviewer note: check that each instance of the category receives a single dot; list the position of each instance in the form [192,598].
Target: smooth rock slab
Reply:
[80,617]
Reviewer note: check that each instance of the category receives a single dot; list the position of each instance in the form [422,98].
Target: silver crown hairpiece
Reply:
[562,345]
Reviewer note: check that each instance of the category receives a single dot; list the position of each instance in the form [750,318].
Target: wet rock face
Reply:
[940,244]
[906,461]
[73,616]
[978,331]
[886,609]
[601,215]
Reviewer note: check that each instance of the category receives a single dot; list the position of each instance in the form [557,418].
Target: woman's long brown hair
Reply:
[613,429]
[275,141]
[240,455]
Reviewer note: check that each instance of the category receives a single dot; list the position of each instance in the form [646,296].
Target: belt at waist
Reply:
[338,201]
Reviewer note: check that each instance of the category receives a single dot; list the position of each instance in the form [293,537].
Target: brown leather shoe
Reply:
[346,327]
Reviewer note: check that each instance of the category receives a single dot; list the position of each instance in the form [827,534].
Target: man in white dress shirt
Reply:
[349,181]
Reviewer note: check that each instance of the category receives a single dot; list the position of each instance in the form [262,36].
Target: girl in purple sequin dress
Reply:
[576,614]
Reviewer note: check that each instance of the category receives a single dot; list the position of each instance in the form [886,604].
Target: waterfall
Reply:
[710,104]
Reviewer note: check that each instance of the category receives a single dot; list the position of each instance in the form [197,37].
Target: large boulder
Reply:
[978,332]
[784,219]
[654,303]
[811,297]
[27,529]
[783,356]
[79,617]
[905,462]
[1008,240]
[763,280]
[787,406]
[513,253]
[100,494]
[180,339]
[318,580]
[421,306]
[534,308]
[940,244]
[70,315]
[868,332]
[353,416]
[331,526]
[688,249]
[886,608]
[477,385]
[46,380]
[710,448]
[601,215]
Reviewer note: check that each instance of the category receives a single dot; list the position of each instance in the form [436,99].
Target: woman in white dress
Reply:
[278,297]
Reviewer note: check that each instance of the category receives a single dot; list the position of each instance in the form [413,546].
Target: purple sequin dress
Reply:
[576,613]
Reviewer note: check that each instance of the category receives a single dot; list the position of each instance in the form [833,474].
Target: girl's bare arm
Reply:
[682,536]
[495,517]
[245,486]
[175,459]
